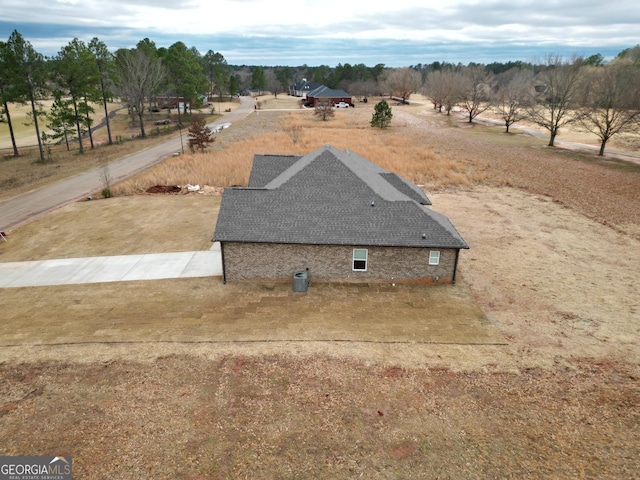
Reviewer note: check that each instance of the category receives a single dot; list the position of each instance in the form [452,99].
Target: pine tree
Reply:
[61,121]
[200,135]
[382,116]
[29,80]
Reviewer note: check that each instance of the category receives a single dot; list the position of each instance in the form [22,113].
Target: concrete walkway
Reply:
[121,268]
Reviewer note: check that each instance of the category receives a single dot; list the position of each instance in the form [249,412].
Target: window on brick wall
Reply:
[434,257]
[360,259]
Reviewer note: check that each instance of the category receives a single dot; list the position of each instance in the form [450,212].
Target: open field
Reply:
[195,379]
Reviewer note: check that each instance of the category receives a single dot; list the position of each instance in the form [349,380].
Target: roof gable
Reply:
[305,85]
[388,185]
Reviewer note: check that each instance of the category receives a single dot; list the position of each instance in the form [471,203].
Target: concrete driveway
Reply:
[120,268]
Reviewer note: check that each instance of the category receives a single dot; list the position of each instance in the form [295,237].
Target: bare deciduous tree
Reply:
[475,95]
[558,91]
[444,89]
[403,82]
[324,109]
[293,130]
[139,78]
[511,99]
[612,101]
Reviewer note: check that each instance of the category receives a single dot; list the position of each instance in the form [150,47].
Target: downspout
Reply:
[455,266]
[224,272]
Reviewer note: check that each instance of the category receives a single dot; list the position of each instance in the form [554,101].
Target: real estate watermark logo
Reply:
[36,468]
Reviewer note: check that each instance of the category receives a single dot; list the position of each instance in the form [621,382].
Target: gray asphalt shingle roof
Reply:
[325,92]
[304,85]
[267,167]
[333,197]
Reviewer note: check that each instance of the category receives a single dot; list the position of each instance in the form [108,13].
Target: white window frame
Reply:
[354,259]
[434,257]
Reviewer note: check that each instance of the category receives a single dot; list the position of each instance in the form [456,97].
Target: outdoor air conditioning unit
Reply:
[300,281]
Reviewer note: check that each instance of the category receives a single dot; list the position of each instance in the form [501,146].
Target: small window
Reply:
[434,257]
[360,259]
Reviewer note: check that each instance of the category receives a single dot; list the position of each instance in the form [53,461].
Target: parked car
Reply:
[166,121]
[341,105]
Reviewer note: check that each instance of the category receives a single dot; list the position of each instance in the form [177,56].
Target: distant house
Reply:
[169,102]
[336,216]
[174,102]
[302,88]
[326,93]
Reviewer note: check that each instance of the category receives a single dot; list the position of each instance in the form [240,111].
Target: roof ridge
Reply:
[367,171]
[298,166]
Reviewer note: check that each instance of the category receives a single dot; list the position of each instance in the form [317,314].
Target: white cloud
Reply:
[579,23]
[354,18]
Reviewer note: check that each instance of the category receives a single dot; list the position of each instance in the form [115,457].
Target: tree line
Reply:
[602,97]
[599,97]
[83,76]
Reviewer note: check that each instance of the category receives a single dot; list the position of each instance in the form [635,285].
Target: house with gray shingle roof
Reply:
[325,93]
[302,88]
[337,216]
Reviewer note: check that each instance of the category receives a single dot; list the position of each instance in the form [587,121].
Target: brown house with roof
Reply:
[326,93]
[337,217]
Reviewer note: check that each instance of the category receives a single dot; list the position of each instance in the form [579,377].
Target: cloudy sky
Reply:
[314,32]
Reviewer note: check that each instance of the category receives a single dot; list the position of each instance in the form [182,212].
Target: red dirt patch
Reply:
[164,189]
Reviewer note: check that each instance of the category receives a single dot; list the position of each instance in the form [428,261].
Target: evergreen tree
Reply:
[184,74]
[29,77]
[6,90]
[106,67]
[76,75]
[233,85]
[200,135]
[217,71]
[382,116]
[258,79]
[61,121]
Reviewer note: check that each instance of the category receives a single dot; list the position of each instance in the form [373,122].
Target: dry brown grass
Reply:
[125,225]
[272,416]
[298,133]
[204,310]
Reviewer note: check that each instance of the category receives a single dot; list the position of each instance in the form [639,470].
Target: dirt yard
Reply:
[553,265]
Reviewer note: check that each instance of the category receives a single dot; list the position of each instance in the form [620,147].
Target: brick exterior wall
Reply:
[278,262]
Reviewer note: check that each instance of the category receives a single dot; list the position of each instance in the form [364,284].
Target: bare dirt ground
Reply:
[553,264]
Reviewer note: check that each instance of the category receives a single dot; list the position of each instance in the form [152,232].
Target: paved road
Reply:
[24,207]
